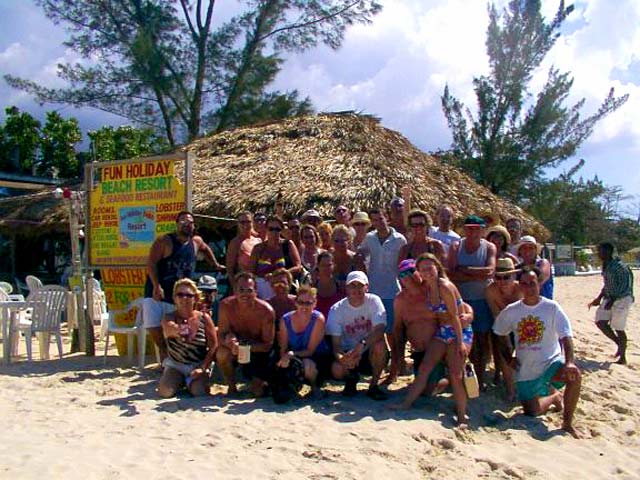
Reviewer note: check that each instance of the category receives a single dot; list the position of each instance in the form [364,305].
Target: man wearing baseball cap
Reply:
[472,261]
[356,325]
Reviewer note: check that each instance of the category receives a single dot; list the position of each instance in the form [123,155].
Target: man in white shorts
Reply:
[617,293]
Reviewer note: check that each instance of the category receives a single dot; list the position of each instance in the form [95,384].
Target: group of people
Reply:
[314,300]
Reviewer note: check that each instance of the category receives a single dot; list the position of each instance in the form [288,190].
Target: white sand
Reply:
[75,418]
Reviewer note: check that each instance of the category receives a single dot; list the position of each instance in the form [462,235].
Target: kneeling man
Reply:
[245,319]
[356,325]
[544,351]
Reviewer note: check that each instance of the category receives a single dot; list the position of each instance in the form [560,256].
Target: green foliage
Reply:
[515,135]
[57,152]
[162,64]
[19,140]
[109,143]
[625,234]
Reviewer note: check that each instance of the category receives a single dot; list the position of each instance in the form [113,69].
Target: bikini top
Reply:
[441,307]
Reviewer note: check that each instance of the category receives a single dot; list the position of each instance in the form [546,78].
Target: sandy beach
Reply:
[75,418]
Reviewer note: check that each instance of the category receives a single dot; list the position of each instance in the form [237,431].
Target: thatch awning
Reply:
[312,162]
[329,159]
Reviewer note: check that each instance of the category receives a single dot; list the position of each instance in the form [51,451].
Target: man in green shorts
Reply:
[544,352]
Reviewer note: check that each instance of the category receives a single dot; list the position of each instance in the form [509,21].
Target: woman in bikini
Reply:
[310,249]
[451,341]
[272,254]
[419,224]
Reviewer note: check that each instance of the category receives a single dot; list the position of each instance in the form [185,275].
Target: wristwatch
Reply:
[363,342]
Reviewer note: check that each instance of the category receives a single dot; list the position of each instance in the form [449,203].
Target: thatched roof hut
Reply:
[329,159]
[312,162]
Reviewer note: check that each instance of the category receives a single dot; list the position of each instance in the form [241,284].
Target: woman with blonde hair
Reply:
[343,257]
[191,344]
[310,247]
[325,230]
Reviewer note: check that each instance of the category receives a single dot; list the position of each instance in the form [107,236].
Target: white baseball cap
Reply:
[357,276]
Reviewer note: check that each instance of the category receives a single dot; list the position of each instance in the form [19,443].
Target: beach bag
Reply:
[287,382]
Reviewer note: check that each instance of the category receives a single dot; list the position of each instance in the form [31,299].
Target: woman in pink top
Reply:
[241,246]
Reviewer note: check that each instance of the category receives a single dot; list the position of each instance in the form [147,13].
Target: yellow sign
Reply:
[130,204]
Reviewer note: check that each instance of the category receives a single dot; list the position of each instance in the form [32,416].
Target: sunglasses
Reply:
[307,303]
[260,219]
[187,222]
[185,295]
[406,273]
[246,290]
[504,277]
[341,210]
[275,229]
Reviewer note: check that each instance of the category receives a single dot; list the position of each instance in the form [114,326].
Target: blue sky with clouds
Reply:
[397,67]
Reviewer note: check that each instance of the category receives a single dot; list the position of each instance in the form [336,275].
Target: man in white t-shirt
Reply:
[544,351]
[356,325]
[443,232]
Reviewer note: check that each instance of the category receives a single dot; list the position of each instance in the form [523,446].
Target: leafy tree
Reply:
[162,64]
[58,155]
[19,141]
[513,136]
[576,211]
[109,143]
[625,234]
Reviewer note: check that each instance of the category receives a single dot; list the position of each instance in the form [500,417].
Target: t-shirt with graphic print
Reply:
[538,330]
[354,323]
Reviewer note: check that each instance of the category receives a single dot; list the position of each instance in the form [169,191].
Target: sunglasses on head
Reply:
[406,273]
[185,295]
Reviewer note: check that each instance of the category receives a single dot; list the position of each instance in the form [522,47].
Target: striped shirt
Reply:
[183,350]
[618,280]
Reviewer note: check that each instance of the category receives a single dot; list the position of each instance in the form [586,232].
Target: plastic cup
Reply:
[244,354]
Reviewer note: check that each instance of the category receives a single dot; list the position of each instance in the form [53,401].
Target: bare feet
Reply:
[462,421]
[622,361]
[570,429]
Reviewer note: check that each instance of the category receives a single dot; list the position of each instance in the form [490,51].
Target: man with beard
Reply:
[171,258]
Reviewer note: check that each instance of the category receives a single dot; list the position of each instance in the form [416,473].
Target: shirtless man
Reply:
[414,321]
[282,302]
[502,292]
[240,247]
[244,318]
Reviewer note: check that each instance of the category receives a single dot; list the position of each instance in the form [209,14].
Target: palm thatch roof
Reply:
[324,160]
[34,214]
[310,162]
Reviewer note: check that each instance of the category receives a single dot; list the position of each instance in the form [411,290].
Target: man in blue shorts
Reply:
[544,352]
[472,263]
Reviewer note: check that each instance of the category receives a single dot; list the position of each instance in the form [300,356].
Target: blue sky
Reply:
[397,67]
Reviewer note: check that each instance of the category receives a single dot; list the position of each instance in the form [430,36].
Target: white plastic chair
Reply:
[98,311]
[33,283]
[46,304]
[6,287]
[136,329]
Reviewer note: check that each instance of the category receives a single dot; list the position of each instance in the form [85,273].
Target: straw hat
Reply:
[502,231]
[361,217]
[505,266]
